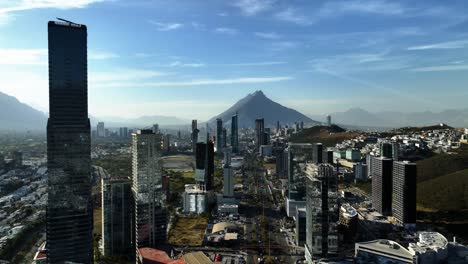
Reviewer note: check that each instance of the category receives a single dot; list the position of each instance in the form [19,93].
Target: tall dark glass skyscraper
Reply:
[69,208]
[260,132]
[219,135]
[234,134]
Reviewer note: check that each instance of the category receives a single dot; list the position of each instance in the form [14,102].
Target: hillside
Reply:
[408,130]
[15,115]
[446,192]
[440,165]
[328,136]
[257,105]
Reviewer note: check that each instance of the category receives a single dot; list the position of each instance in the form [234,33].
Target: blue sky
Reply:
[194,58]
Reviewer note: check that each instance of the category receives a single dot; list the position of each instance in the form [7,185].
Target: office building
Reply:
[167,143]
[194,199]
[395,151]
[2,161]
[360,171]
[150,199]
[302,125]
[329,157]
[382,185]
[156,128]
[260,132]
[219,135]
[431,247]
[317,156]
[17,159]
[329,121]
[322,212]
[278,127]
[404,192]
[204,165]
[117,217]
[298,155]
[235,134]
[228,186]
[123,132]
[353,154]
[224,138]
[301,226]
[101,130]
[386,150]
[194,135]
[69,221]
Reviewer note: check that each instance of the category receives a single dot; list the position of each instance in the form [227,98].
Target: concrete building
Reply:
[404,192]
[117,217]
[266,151]
[432,247]
[69,220]
[383,251]
[353,154]
[195,199]
[360,171]
[322,212]
[123,132]
[382,169]
[228,186]
[150,199]
[317,154]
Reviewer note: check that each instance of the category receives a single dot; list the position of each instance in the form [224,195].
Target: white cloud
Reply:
[166,26]
[119,75]
[180,64]
[268,35]
[292,15]
[283,45]
[263,63]
[23,56]
[457,44]
[381,7]
[227,31]
[101,55]
[253,7]
[198,82]
[456,67]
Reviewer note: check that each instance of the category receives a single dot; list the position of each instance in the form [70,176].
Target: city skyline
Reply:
[328,56]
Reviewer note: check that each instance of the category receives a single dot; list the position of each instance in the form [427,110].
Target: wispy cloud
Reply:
[457,44]
[197,82]
[23,56]
[262,63]
[292,15]
[283,45]
[267,35]
[165,26]
[122,74]
[381,7]
[253,7]
[180,64]
[226,30]
[452,67]
[101,55]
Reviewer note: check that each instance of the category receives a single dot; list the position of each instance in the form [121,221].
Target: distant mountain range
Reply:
[394,119]
[15,115]
[257,105]
[143,121]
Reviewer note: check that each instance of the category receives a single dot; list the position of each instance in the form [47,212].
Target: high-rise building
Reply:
[195,132]
[386,150]
[156,128]
[69,221]
[228,186]
[395,151]
[101,130]
[204,165]
[150,199]
[317,155]
[382,185]
[224,138]
[322,212]
[167,142]
[302,125]
[117,217]
[17,157]
[2,161]
[278,127]
[260,132]
[404,192]
[235,134]
[329,120]
[219,135]
[123,132]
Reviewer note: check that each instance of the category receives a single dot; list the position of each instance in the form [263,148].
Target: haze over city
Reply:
[172,57]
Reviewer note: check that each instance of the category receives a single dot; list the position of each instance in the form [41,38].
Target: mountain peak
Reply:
[258,93]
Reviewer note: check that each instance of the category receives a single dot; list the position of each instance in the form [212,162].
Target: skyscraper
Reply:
[69,209]
[404,192]
[322,211]
[329,121]
[317,156]
[117,217]
[228,186]
[234,134]
[204,164]
[382,185]
[386,150]
[219,135]
[195,132]
[156,128]
[150,199]
[259,132]
[101,130]
[224,138]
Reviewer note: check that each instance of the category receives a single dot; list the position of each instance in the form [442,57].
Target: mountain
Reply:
[395,119]
[328,136]
[15,115]
[257,105]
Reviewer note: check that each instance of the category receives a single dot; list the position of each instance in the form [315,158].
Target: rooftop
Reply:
[196,258]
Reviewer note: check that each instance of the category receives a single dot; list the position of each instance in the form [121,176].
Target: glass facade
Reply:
[235,134]
[69,209]
[150,199]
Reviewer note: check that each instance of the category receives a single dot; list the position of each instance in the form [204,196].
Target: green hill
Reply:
[442,164]
[446,193]
[408,130]
[328,136]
